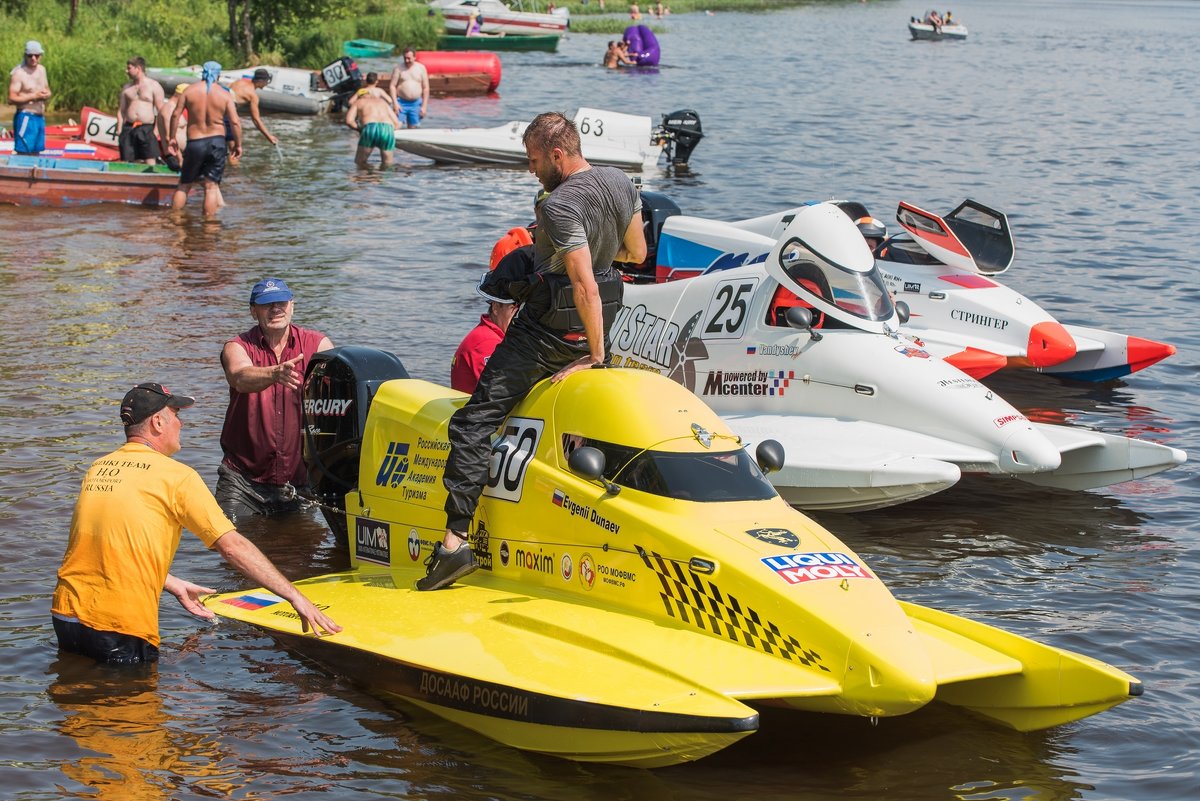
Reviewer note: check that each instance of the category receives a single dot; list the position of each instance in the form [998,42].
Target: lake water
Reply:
[1077,118]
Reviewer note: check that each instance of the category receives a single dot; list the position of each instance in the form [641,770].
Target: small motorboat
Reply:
[545,43]
[47,181]
[368,48]
[610,138]
[924,29]
[495,17]
[787,328]
[641,590]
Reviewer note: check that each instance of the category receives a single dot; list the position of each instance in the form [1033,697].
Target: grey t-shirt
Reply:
[592,208]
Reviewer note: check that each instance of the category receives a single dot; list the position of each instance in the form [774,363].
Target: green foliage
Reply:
[316,46]
[88,67]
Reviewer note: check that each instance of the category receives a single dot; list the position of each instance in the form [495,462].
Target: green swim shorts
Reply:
[378,134]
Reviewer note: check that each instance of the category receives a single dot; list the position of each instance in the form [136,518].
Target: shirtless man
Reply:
[243,90]
[204,157]
[141,104]
[29,90]
[410,89]
[371,88]
[376,120]
[164,119]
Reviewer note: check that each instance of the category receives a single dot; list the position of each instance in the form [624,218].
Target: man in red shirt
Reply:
[265,366]
[477,346]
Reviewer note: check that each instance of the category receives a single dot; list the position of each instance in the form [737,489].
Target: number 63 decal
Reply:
[729,309]
[511,454]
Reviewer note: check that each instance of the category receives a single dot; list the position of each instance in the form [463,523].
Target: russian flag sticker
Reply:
[559,495]
[253,600]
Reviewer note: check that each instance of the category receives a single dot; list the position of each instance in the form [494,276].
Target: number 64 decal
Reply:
[512,452]
[729,309]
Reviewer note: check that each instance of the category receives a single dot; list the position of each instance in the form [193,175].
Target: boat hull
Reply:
[540,43]
[291,91]
[37,181]
[926,32]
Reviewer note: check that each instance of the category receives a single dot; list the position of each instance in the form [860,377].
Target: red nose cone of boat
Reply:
[1050,344]
[977,363]
[1144,352]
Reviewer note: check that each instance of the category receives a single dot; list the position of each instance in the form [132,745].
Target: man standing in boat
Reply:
[28,90]
[410,89]
[204,156]
[587,218]
[245,94]
[141,104]
[263,466]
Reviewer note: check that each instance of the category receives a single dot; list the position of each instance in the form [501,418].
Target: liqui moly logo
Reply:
[797,568]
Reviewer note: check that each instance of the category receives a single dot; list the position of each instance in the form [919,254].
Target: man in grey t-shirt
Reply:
[588,217]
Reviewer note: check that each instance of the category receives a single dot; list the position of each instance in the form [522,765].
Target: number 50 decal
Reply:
[729,309]
[511,455]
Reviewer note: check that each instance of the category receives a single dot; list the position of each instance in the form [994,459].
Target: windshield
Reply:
[861,294]
[728,476]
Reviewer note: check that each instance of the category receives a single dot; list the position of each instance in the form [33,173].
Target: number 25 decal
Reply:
[729,309]
[511,454]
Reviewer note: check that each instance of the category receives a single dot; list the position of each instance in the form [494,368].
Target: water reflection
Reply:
[132,748]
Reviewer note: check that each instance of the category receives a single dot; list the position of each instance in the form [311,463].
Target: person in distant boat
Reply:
[204,156]
[934,19]
[245,94]
[587,218]
[262,467]
[474,23]
[410,90]
[132,508]
[28,90]
[376,121]
[949,19]
[138,114]
[634,11]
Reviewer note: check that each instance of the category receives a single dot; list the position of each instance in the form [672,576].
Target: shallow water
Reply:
[1077,119]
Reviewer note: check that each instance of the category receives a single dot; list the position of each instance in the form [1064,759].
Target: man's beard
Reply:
[554,179]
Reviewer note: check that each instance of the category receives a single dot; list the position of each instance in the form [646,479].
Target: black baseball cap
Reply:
[261,74]
[146,399]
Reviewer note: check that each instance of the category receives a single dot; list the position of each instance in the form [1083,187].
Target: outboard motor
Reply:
[656,208]
[343,78]
[682,129]
[338,390]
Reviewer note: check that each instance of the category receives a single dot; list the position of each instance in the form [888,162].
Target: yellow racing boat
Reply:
[642,589]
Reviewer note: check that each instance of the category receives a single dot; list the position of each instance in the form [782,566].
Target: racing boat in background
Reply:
[642,589]
[608,138]
[801,342]
[943,270]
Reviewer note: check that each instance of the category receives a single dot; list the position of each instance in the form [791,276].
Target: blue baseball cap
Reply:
[270,290]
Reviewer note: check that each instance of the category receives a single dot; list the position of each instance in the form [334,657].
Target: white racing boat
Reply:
[868,417]
[495,17]
[627,141]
